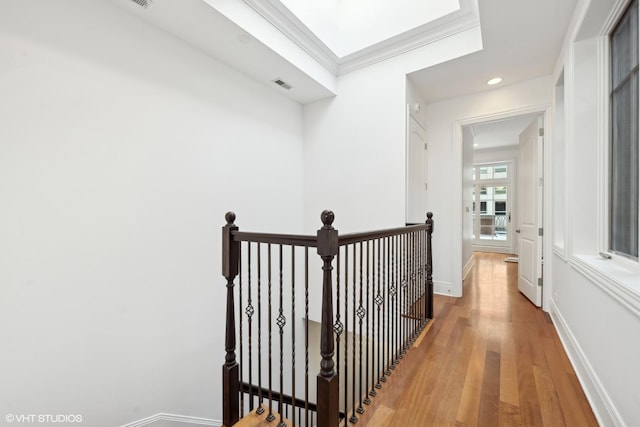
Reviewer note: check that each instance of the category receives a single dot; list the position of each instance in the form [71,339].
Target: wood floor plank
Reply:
[488,359]
[550,409]
[509,371]
[489,410]
[470,400]
[509,415]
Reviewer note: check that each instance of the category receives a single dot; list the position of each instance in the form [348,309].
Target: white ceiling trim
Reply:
[286,22]
[292,27]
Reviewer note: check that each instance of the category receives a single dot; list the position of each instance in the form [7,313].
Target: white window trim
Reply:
[604,135]
[618,276]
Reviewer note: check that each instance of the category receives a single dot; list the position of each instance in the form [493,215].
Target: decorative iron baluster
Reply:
[361,313]
[371,250]
[393,291]
[270,416]
[386,319]
[378,301]
[338,327]
[281,321]
[370,341]
[306,336]
[249,311]
[293,332]
[260,409]
[383,283]
[405,286]
[353,418]
[346,327]
[240,331]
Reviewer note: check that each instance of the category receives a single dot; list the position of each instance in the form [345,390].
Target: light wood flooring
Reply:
[488,359]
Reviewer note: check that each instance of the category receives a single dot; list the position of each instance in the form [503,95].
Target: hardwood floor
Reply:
[490,358]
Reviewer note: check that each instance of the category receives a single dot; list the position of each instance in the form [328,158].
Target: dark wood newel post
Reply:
[429,298]
[230,369]
[327,380]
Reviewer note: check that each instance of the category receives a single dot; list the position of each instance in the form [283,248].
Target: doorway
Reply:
[502,193]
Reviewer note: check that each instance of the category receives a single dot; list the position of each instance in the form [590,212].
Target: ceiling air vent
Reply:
[282,84]
[143,3]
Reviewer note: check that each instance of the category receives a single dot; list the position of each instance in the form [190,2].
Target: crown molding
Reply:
[288,24]
[408,41]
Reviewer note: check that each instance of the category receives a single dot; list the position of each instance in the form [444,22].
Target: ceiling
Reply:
[347,26]
[521,41]
[499,133]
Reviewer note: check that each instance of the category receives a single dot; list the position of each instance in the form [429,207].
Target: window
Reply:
[491,205]
[623,185]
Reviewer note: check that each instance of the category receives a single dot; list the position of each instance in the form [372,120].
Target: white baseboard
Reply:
[172,420]
[494,249]
[601,404]
[442,288]
[467,268]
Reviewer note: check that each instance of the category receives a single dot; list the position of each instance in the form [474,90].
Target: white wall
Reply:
[594,305]
[120,151]
[444,121]
[416,194]
[355,143]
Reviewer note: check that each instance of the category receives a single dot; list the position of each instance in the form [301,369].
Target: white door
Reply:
[492,195]
[530,212]
[416,173]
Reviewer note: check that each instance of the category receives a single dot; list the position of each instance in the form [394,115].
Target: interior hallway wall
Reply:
[121,148]
[445,163]
[355,147]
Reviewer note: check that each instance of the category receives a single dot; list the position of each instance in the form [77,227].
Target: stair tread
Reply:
[253,419]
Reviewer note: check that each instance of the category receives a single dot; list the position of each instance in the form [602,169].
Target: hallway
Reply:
[488,359]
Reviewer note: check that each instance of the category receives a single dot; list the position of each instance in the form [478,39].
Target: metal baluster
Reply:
[379,365]
[367,401]
[240,332]
[293,333]
[383,284]
[281,321]
[361,313]
[249,311]
[429,304]
[388,305]
[375,328]
[306,336]
[354,418]
[260,409]
[393,293]
[346,327]
[403,323]
[412,288]
[270,416]
[338,327]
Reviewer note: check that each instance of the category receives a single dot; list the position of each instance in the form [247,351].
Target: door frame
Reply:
[457,181]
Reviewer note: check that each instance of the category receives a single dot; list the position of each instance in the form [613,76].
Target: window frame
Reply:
[611,131]
[623,261]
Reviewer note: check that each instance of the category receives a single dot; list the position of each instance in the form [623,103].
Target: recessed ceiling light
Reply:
[494,81]
[475,145]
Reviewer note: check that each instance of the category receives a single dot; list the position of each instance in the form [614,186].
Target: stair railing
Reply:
[381,300]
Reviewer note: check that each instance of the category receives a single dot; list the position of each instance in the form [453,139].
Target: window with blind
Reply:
[623,203]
